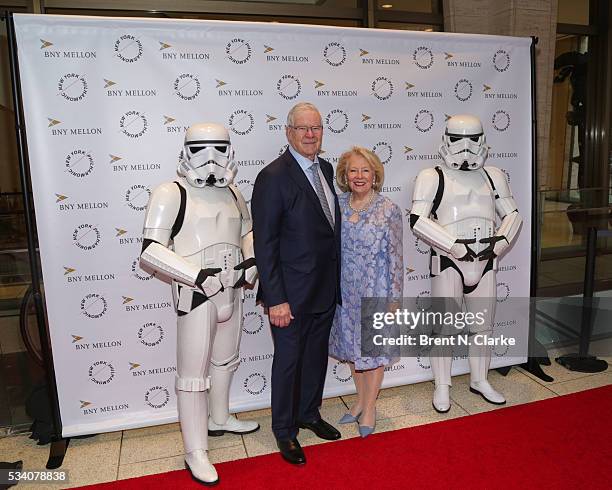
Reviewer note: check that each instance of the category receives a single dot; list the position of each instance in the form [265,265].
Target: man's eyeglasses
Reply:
[305,129]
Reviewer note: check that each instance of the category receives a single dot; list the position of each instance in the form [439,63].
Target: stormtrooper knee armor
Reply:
[198,233]
[454,210]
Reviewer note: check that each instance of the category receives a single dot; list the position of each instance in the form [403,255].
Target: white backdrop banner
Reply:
[107,102]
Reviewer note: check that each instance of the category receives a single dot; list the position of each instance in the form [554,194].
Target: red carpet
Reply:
[564,442]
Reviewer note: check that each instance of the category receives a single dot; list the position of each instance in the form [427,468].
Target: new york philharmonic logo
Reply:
[253,323]
[86,236]
[334,54]
[289,87]
[133,124]
[238,51]
[341,372]
[369,122]
[383,151]
[337,121]
[490,93]
[424,120]
[94,305]
[157,397]
[501,60]
[501,120]
[150,334]
[421,247]
[169,52]
[241,122]
[382,88]
[138,273]
[463,89]
[503,292]
[187,86]
[255,383]
[423,57]
[283,149]
[101,372]
[79,163]
[127,92]
[72,87]
[128,48]
[460,63]
[137,197]
[423,300]
[246,188]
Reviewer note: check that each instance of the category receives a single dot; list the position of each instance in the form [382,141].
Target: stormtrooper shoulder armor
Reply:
[162,212]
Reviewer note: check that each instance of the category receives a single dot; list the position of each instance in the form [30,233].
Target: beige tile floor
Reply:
[159,449]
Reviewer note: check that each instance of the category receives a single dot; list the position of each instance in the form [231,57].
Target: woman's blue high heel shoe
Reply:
[348,418]
[366,430]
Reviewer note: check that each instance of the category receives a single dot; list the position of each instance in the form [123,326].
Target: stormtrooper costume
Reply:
[198,232]
[454,210]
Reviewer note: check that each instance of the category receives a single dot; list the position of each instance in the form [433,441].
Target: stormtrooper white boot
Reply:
[441,367]
[480,358]
[191,406]
[220,420]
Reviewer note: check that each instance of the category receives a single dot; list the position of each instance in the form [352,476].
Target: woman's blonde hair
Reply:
[370,157]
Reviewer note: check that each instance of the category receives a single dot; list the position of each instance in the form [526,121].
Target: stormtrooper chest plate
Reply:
[211,217]
[467,208]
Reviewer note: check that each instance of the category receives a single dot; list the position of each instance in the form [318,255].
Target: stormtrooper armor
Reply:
[198,233]
[454,210]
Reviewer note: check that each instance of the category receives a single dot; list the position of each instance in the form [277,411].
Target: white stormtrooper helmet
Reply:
[208,156]
[463,144]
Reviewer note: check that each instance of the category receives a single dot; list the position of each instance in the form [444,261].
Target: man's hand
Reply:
[280,315]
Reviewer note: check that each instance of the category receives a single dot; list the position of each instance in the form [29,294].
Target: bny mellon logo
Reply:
[168,120]
[409,85]
[109,83]
[485,87]
[268,49]
[68,270]
[365,117]
[363,52]
[318,84]
[76,338]
[45,44]
[133,365]
[120,232]
[84,403]
[114,158]
[60,197]
[447,56]
[53,122]
[127,299]
[409,270]
[270,118]
[163,45]
[407,149]
[220,83]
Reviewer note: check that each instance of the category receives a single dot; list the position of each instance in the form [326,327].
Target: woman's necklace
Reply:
[355,216]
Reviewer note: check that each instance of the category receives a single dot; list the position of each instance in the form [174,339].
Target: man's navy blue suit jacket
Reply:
[297,252]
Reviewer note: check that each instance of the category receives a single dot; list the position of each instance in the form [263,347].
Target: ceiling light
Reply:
[386,6]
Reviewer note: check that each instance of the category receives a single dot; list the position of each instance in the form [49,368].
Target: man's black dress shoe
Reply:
[291,451]
[322,429]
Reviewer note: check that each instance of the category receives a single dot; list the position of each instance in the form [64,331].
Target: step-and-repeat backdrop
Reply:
[107,102]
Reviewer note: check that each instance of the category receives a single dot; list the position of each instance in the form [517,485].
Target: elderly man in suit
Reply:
[296,226]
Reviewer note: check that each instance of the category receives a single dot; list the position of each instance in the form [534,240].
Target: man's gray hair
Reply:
[300,106]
